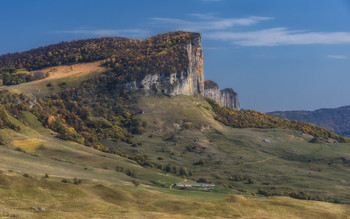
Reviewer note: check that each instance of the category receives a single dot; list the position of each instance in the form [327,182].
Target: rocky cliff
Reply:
[188,82]
[169,63]
[226,97]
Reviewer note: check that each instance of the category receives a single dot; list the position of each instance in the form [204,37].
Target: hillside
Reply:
[84,182]
[336,119]
[109,134]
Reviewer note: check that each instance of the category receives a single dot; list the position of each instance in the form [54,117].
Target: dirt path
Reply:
[259,161]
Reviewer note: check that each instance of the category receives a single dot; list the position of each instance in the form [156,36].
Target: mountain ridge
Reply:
[334,119]
[170,63]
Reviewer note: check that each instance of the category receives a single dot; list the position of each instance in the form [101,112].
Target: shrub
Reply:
[202,180]
[263,192]
[76,181]
[250,181]
[65,181]
[184,171]
[2,141]
[135,182]
[130,172]
[27,175]
[200,162]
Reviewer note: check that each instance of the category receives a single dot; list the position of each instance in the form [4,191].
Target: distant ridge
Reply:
[334,119]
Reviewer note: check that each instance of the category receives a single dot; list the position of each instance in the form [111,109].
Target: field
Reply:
[64,76]
[182,132]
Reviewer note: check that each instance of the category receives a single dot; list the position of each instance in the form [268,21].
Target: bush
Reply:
[65,181]
[184,171]
[130,172]
[76,181]
[200,162]
[135,182]
[2,141]
[250,181]
[27,175]
[263,192]
[202,180]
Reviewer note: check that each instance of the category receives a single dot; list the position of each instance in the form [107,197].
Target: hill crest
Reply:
[169,63]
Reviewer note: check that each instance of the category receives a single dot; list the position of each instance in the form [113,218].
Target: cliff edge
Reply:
[187,82]
[226,97]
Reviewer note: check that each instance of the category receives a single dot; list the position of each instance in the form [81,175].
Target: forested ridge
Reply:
[128,59]
[336,119]
[254,119]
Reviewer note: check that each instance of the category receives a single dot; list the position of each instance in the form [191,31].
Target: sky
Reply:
[277,54]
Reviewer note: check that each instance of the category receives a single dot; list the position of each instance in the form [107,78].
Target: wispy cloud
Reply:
[280,36]
[208,22]
[337,57]
[105,32]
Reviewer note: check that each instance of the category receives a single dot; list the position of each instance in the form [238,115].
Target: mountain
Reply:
[169,63]
[105,128]
[336,119]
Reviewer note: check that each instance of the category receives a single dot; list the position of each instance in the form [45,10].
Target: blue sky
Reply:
[277,54]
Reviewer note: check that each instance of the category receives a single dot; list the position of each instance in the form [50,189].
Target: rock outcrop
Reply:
[226,97]
[189,82]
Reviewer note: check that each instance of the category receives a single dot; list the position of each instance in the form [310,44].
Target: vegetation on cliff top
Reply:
[209,84]
[127,59]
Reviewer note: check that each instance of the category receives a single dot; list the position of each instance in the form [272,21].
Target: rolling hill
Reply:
[108,135]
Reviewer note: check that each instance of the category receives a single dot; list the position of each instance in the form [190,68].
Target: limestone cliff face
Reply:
[226,97]
[189,82]
[229,98]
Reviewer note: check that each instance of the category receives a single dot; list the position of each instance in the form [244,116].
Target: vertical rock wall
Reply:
[226,97]
[190,82]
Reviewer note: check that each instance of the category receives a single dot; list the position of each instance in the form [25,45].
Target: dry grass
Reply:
[73,70]
[27,145]
[68,74]
[62,200]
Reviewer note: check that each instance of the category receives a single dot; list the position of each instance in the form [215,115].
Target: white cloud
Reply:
[337,57]
[105,32]
[280,36]
[207,22]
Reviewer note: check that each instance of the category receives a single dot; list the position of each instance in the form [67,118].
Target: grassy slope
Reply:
[174,124]
[60,200]
[289,163]
[106,193]
[62,77]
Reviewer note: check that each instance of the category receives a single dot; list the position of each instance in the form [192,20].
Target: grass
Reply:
[62,200]
[60,78]
[288,163]
[27,145]
[175,124]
